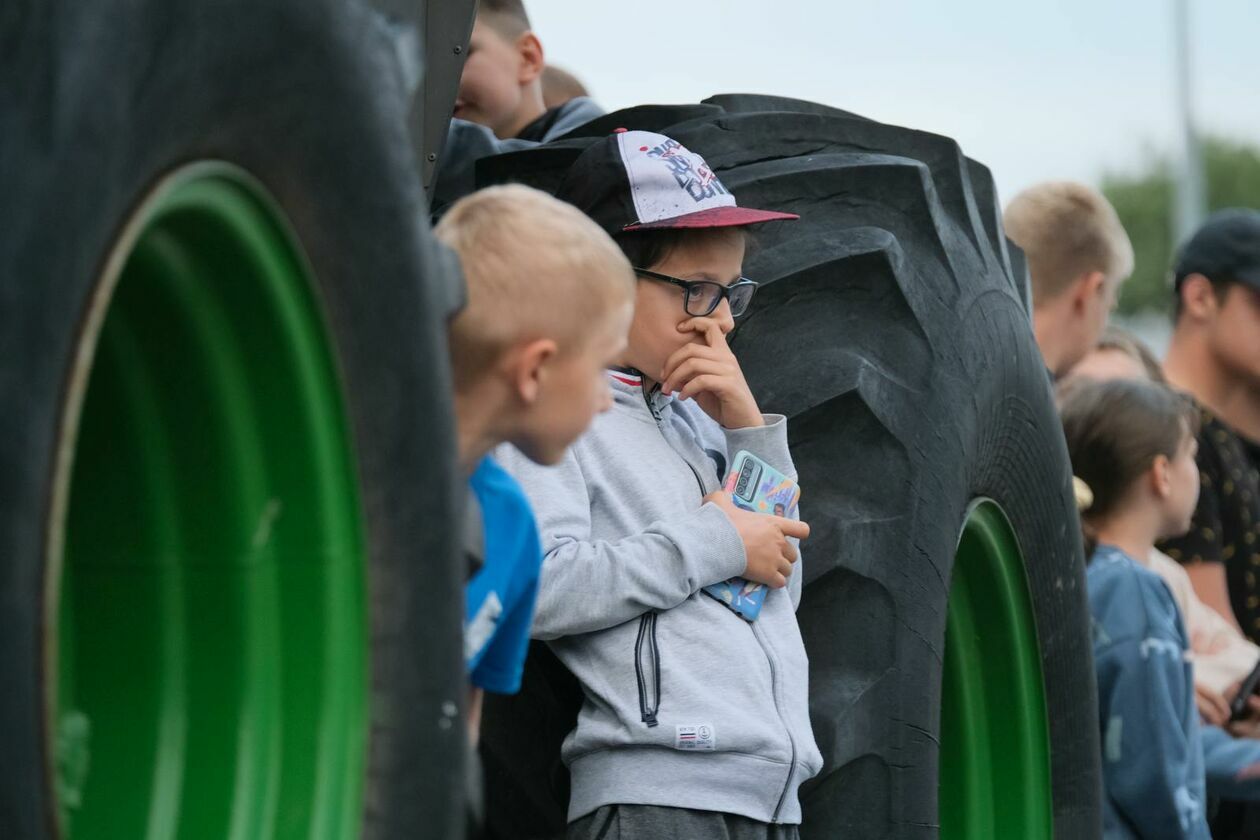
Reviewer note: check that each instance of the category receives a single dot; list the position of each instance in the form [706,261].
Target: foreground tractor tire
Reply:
[944,609]
[225,607]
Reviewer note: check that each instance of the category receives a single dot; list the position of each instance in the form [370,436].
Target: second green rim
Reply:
[995,744]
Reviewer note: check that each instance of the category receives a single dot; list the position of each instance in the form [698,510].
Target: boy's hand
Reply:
[709,373]
[1213,708]
[1247,726]
[770,555]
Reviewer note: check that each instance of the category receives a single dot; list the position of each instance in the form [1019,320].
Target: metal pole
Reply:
[1190,199]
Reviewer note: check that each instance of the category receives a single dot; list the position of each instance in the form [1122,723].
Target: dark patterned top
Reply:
[1226,527]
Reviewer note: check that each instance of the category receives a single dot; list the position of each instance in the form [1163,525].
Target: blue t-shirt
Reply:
[499,600]
[1153,774]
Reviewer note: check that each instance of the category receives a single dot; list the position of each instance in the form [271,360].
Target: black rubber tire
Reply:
[526,784]
[982,186]
[742,103]
[893,328]
[543,167]
[644,118]
[101,99]
[915,387]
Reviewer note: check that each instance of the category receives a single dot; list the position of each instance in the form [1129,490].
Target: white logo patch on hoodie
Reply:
[700,737]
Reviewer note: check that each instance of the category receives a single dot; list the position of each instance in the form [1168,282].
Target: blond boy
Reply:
[550,299]
[1078,255]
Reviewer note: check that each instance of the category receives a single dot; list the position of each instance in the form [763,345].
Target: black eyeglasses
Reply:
[701,297]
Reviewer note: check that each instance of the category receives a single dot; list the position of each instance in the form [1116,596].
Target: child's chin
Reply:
[1181,529]
[547,454]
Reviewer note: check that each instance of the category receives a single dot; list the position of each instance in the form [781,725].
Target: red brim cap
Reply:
[716,217]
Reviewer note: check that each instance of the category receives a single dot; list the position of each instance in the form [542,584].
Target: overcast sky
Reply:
[1035,90]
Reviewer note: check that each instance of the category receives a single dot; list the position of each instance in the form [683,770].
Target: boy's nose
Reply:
[723,316]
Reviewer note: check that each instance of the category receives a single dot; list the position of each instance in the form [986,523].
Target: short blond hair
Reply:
[534,267]
[1067,229]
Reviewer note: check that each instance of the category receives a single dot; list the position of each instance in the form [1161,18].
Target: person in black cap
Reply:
[696,719]
[1215,356]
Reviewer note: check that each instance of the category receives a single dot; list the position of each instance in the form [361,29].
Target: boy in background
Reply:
[500,105]
[559,86]
[1078,255]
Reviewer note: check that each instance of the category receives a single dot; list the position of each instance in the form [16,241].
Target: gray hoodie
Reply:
[686,704]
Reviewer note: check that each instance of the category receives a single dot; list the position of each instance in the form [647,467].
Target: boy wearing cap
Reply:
[500,105]
[549,300]
[695,722]
[1215,356]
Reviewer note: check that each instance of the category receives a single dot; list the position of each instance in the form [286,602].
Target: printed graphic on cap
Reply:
[667,180]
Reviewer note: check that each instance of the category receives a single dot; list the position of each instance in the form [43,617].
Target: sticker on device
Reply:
[699,737]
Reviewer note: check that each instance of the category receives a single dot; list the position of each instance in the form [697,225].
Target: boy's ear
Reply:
[530,49]
[1161,479]
[529,367]
[1088,286]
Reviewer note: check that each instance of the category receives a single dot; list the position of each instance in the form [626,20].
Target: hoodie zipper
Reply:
[765,649]
[647,632]
[647,624]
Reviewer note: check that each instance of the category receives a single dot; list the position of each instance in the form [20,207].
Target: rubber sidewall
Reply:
[100,100]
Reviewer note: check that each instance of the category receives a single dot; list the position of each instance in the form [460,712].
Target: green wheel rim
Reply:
[995,745]
[208,630]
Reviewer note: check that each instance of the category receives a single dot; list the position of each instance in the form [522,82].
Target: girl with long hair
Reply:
[1133,444]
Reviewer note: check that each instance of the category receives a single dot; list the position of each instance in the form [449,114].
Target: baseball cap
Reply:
[1227,247]
[640,180]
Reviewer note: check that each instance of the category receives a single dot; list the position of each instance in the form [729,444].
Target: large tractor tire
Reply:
[944,609]
[230,595]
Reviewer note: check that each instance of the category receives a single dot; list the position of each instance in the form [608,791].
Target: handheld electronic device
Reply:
[1238,708]
[756,486]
